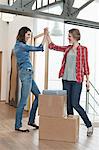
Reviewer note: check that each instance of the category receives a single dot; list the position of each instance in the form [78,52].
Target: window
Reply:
[11,2]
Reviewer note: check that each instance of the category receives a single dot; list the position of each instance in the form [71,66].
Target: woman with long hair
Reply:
[21,50]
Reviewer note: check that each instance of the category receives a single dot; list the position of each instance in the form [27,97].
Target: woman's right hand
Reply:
[46,33]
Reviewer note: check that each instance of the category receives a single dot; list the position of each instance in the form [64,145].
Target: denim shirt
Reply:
[21,51]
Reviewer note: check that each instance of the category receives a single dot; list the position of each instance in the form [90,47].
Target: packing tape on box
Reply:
[55,92]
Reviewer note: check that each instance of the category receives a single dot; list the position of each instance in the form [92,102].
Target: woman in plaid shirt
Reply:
[74,67]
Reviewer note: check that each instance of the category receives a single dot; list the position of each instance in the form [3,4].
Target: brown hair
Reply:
[21,34]
[75,33]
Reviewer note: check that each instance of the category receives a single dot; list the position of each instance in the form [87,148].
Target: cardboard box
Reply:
[59,129]
[52,105]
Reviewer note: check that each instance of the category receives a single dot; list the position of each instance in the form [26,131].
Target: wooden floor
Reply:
[12,140]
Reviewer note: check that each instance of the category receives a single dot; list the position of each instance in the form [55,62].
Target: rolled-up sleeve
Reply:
[57,48]
[32,48]
[86,65]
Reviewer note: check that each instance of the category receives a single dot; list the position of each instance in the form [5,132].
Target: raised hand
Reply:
[46,34]
[46,31]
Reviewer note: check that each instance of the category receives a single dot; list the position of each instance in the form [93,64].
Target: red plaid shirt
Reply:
[82,67]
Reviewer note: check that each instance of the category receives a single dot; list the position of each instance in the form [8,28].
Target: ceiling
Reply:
[36,9]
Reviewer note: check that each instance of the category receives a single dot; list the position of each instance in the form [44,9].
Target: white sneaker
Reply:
[89,131]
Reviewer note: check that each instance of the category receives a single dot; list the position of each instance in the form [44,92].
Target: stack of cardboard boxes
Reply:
[54,123]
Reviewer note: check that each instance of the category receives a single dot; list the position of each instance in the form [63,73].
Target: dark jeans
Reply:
[73,100]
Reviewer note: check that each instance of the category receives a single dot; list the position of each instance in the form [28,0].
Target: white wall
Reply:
[8,33]
[14,26]
[3,2]
[4,49]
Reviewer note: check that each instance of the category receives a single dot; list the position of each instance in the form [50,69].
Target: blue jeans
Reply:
[27,85]
[73,100]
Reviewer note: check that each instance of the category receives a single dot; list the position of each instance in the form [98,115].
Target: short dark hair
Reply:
[75,33]
[21,34]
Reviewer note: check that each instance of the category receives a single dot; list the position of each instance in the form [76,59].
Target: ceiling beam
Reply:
[67,7]
[43,15]
[30,3]
[76,12]
[82,22]
[27,12]
[50,5]
[23,3]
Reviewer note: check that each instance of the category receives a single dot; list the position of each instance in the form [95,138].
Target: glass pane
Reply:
[56,9]
[55,59]
[79,3]
[51,1]
[39,66]
[45,2]
[39,4]
[11,2]
[91,12]
[34,6]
